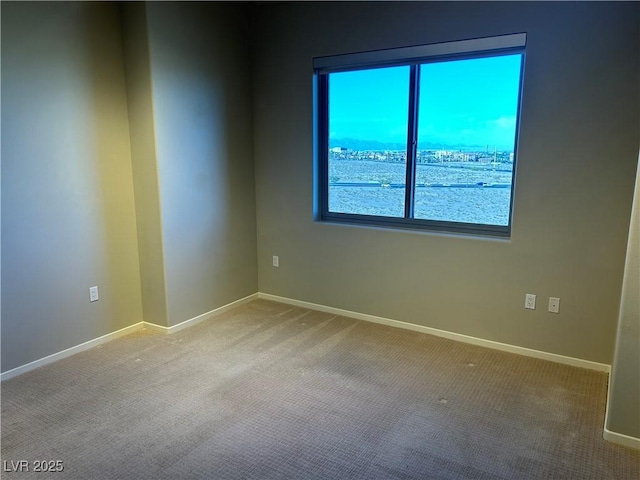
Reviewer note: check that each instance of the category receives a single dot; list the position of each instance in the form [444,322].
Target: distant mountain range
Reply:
[355,144]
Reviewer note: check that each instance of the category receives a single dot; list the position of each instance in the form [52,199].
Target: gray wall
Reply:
[578,151]
[144,163]
[187,243]
[68,219]
[624,400]
[162,219]
[199,62]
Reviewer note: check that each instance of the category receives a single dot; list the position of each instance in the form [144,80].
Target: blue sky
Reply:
[471,101]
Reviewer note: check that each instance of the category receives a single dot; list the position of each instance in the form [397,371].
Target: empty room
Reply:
[320,240]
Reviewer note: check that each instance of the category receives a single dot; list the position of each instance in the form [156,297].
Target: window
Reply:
[421,137]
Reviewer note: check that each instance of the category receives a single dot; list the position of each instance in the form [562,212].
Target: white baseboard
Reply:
[576,362]
[621,439]
[69,351]
[119,333]
[608,435]
[201,318]
[154,327]
[615,437]
[528,352]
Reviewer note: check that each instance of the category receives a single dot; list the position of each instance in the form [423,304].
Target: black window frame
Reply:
[412,57]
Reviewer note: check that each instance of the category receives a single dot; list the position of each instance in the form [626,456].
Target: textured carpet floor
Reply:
[270,391]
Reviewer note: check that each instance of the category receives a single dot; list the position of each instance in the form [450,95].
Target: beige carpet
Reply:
[270,391]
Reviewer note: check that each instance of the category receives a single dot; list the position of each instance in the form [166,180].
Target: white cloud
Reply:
[504,122]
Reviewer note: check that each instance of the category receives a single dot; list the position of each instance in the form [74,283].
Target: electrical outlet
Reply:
[530,301]
[93,294]
[276,261]
[554,304]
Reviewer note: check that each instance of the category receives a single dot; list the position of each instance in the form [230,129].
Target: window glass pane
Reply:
[466,139]
[368,115]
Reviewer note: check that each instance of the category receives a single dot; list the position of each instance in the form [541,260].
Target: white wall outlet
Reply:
[276,261]
[554,304]
[93,294]
[530,301]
